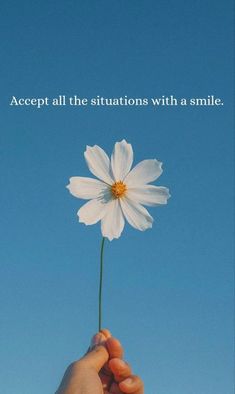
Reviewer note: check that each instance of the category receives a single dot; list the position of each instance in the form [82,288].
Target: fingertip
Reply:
[132,384]
[107,334]
[100,337]
[97,339]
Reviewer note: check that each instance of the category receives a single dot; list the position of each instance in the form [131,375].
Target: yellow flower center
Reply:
[118,189]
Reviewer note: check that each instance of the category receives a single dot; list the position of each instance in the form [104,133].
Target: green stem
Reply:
[101,281]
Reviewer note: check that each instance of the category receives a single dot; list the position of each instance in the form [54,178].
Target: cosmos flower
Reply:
[120,192]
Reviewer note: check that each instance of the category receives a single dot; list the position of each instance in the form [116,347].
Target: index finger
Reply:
[114,348]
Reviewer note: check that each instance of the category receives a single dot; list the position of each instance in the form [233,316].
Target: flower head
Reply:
[120,192]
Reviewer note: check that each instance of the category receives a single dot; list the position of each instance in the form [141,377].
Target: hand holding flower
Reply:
[101,371]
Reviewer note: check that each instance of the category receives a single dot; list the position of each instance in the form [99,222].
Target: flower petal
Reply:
[136,215]
[92,212]
[99,163]
[121,160]
[148,194]
[113,222]
[144,172]
[86,188]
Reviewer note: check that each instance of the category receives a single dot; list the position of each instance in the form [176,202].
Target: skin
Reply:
[101,371]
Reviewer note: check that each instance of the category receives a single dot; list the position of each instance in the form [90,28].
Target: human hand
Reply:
[101,371]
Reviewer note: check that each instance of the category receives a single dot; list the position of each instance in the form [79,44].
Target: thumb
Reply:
[98,355]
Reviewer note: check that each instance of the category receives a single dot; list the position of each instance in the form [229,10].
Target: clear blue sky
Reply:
[168,291]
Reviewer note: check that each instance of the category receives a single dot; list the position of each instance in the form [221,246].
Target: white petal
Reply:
[136,214]
[86,188]
[92,212]
[113,222]
[121,160]
[148,194]
[144,172]
[99,163]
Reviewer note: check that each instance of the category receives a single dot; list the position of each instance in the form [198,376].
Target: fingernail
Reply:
[128,381]
[96,340]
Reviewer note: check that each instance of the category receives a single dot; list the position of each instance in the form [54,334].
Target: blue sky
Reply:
[167,291]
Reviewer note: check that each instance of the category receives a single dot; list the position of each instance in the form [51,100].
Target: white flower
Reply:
[120,192]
